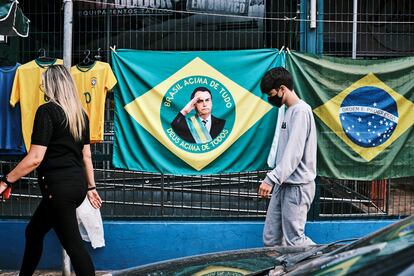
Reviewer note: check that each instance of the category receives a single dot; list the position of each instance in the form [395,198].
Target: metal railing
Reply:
[272,24]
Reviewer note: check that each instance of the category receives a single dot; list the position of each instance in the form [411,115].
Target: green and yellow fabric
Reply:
[154,86]
[364,113]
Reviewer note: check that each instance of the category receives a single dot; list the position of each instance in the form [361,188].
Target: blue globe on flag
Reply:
[368,116]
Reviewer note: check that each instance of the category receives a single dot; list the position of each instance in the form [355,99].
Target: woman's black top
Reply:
[51,130]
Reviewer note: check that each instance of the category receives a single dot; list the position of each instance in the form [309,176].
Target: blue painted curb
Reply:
[130,244]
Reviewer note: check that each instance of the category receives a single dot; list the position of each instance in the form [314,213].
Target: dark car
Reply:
[389,251]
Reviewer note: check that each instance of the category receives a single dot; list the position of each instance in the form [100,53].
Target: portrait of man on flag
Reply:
[201,127]
[198,115]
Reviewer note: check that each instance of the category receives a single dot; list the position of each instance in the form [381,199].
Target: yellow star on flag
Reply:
[329,113]
[249,109]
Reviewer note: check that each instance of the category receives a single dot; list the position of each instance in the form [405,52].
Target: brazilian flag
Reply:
[153,135]
[364,114]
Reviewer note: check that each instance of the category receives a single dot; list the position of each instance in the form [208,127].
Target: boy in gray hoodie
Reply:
[292,180]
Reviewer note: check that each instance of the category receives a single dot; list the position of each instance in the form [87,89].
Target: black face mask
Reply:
[275,100]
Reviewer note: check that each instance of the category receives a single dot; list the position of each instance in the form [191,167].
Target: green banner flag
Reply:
[192,112]
[364,114]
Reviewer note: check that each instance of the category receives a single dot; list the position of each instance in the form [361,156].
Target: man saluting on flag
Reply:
[203,126]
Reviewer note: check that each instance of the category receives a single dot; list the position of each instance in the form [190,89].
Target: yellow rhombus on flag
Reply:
[249,109]
[334,116]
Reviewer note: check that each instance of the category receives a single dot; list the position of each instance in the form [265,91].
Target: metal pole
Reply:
[387,199]
[67,33]
[354,29]
[67,61]
[162,194]
[313,14]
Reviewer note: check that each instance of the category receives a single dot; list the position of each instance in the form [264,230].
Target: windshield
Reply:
[394,231]
[377,248]
[348,263]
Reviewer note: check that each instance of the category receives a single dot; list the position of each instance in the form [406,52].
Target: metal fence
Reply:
[384,29]
[176,26]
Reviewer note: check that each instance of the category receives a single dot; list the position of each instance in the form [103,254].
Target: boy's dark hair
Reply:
[201,88]
[274,78]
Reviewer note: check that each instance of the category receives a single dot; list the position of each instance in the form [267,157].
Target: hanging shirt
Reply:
[93,82]
[11,139]
[27,90]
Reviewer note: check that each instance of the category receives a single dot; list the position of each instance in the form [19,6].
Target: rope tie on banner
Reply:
[113,48]
[281,49]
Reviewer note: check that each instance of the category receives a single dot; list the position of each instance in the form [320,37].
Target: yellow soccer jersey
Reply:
[28,91]
[93,82]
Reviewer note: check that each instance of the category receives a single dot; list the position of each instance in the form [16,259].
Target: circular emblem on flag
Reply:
[368,116]
[210,120]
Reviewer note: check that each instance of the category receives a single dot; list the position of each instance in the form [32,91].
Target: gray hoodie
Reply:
[296,151]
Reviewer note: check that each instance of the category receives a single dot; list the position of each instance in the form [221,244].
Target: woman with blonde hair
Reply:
[61,153]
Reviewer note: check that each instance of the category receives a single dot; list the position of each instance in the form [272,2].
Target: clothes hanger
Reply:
[86,60]
[42,52]
[98,55]
[43,57]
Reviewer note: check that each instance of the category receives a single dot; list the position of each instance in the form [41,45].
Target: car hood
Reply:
[237,262]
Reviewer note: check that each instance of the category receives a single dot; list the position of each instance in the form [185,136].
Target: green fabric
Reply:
[154,86]
[12,20]
[352,99]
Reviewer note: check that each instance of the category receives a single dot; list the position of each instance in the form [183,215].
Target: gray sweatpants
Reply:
[286,215]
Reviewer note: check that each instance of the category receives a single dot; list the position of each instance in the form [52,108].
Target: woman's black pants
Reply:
[57,211]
